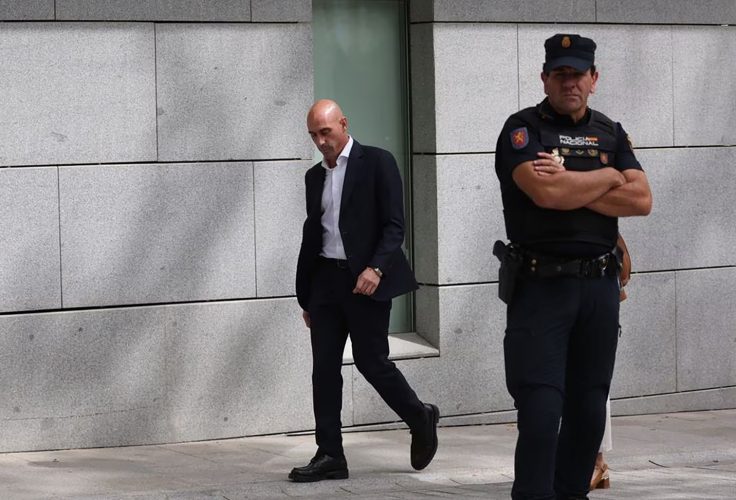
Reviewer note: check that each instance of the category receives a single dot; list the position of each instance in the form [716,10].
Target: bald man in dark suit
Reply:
[350,267]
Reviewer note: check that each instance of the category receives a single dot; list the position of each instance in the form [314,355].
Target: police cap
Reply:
[568,50]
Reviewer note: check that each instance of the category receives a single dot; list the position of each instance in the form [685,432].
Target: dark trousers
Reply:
[560,348]
[334,312]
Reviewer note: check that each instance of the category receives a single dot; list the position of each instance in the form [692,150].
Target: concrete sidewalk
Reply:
[673,456]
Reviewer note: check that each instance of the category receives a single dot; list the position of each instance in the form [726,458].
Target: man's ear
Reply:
[595,82]
[544,76]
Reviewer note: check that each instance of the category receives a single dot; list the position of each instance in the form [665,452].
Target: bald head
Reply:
[328,128]
[324,109]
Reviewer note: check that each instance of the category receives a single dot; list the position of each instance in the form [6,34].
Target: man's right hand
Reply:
[548,164]
[307,320]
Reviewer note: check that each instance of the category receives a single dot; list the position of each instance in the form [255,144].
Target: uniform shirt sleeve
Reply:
[625,158]
[516,144]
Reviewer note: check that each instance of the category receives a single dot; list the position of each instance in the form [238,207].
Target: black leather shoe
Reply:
[320,467]
[424,439]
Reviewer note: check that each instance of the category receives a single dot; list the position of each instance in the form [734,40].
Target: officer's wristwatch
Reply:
[378,271]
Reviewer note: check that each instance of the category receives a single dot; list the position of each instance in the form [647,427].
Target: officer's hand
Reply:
[307,319]
[548,164]
[367,282]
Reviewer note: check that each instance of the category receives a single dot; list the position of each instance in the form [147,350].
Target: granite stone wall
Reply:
[152,156]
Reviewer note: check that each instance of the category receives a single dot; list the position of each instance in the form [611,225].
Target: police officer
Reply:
[567,173]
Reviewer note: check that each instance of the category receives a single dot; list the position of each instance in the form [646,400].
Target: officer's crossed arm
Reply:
[632,198]
[564,189]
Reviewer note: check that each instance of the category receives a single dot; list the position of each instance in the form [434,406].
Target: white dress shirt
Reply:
[331,197]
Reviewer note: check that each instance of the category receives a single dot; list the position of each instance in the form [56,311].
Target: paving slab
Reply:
[667,456]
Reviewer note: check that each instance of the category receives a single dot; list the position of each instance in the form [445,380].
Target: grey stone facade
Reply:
[151,183]
[151,186]
[473,61]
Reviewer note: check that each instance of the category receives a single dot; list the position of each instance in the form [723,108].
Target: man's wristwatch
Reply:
[378,271]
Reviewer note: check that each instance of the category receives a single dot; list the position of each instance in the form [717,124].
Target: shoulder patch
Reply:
[519,138]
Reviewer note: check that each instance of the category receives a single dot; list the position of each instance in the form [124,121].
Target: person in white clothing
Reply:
[601,476]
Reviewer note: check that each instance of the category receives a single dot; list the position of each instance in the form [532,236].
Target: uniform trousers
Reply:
[560,349]
[336,312]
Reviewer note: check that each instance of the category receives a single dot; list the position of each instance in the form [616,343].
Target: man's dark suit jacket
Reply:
[371,223]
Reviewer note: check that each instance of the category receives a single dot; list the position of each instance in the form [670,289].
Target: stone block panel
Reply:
[475,87]
[268,11]
[77,93]
[87,378]
[472,328]
[557,11]
[634,87]
[691,224]
[29,224]
[140,234]
[458,211]
[427,317]
[279,215]
[712,399]
[143,375]
[425,218]
[129,427]
[239,368]
[646,360]
[700,91]
[706,335]
[232,91]
[153,10]
[666,11]
[26,10]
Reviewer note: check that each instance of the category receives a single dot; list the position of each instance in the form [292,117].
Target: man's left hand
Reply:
[367,282]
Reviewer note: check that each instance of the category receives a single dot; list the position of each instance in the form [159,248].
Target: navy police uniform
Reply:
[562,316]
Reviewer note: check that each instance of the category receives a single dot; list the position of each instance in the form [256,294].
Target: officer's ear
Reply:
[594,75]
[544,76]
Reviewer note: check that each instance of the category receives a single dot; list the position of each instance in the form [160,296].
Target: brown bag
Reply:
[625,267]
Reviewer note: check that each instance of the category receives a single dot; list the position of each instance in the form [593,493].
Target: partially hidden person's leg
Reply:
[607,441]
[601,478]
